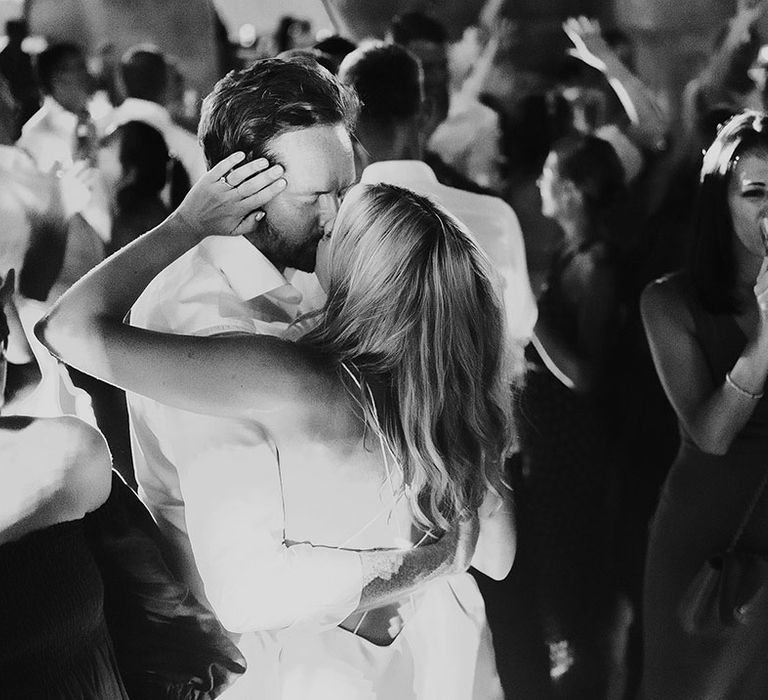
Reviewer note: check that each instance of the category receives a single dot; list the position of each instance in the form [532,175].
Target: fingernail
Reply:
[259,215]
[261,162]
[276,170]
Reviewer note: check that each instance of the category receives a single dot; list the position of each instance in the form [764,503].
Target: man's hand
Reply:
[73,189]
[227,200]
[589,44]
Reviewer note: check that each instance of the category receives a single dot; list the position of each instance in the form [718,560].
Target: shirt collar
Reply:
[246,268]
[60,118]
[398,171]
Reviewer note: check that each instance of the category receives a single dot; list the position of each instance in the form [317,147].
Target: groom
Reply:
[297,115]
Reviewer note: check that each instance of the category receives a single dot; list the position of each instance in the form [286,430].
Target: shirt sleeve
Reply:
[519,300]
[252,579]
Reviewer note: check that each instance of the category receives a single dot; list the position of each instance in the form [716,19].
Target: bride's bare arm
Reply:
[217,376]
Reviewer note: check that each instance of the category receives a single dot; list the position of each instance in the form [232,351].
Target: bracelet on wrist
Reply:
[741,390]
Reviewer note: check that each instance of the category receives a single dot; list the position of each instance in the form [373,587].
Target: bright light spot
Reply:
[246,35]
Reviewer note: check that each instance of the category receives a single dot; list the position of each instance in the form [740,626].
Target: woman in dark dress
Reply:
[708,331]
[564,432]
[136,165]
[54,643]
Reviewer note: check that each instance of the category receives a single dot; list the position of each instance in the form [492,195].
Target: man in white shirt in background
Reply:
[388,80]
[145,78]
[59,134]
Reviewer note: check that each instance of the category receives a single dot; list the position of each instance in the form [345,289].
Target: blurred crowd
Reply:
[582,189]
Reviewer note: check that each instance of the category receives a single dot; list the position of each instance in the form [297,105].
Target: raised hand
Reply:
[589,44]
[227,200]
[747,13]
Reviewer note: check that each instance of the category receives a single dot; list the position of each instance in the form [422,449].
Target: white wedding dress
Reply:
[287,601]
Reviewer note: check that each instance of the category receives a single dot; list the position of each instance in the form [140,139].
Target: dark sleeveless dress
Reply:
[54,643]
[562,502]
[703,501]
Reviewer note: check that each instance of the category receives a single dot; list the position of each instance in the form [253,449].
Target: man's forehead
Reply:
[315,158]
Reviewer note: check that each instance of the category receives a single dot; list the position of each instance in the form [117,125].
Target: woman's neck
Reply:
[747,268]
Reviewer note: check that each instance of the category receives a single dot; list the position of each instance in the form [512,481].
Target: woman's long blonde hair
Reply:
[412,309]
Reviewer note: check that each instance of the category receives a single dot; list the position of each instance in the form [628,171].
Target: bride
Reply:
[390,419]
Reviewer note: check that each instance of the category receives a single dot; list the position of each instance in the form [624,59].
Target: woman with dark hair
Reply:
[390,422]
[564,429]
[136,165]
[707,327]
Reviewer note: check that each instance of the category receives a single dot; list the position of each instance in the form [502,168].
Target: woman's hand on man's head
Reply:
[227,200]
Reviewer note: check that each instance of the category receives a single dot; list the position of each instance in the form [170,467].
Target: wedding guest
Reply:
[564,416]
[707,326]
[145,75]
[136,165]
[16,67]
[55,642]
[57,136]
[427,39]
[389,81]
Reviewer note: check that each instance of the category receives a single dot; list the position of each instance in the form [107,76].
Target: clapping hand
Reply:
[75,187]
[589,44]
[227,200]
[71,190]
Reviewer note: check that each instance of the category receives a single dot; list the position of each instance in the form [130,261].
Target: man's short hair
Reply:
[144,72]
[50,61]
[250,107]
[388,80]
[336,46]
[416,26]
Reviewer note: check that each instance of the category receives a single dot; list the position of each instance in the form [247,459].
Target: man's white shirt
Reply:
[49,138]
[492,223]
[226,286]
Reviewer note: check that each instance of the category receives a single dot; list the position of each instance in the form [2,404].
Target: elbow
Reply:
[500,569]
[711,442]
[41,331]
[713,445]
[49,332]
[62,335]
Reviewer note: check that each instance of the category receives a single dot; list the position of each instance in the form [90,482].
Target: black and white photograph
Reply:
[383,349]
